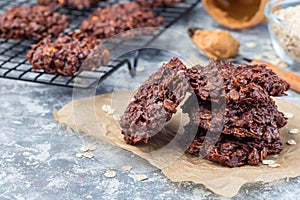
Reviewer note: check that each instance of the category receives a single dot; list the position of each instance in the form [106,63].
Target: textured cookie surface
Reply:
[31,22]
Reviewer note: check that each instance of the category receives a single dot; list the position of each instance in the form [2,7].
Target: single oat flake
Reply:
[84,148]
[110,174]
[268,162]
[88,155]
[140,68]
[110,111]
[105,108]
[126,168]
[79,155]
[141,177]
[91,147]
[291,142]
[250,44]
[288,115]
[117,117]
[294,131]
[275,165]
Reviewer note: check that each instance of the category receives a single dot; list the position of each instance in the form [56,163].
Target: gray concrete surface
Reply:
[37,155]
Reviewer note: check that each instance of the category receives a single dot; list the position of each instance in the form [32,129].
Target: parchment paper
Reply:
[87,116]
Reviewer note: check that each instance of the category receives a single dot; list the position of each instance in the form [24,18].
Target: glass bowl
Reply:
[284,28]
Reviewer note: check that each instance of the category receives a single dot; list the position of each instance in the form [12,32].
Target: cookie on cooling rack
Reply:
[158,3]
[78,4]
[68,54]
[112,20]
[31,22]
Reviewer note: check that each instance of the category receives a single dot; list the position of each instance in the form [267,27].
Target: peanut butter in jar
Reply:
[216,43]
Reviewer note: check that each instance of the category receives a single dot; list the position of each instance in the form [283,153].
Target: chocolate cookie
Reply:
[254,120]
[155,102]
[233,152]
[78,4]
[220,81]
[31,22]
[67,54]
[112,20]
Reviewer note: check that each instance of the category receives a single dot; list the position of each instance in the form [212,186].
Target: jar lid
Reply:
[236,14]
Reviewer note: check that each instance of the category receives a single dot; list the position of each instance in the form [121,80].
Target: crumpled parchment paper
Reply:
[86,115]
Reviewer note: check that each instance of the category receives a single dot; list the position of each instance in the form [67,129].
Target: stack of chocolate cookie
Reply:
[233,119]
[234,105]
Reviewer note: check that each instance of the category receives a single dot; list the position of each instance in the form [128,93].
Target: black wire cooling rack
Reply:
[13,63]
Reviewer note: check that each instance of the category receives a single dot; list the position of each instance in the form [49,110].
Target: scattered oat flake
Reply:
[79,155]
[110,174]
[117,117]
[274,165]
[250,44]
[268,162]
[291,142]
[267,47]
[88,155]
[84,148]
[91,147]
[141,177]
[282,64]
[140,68]
[126,168]
[288,115]
[270,56]
[294,131]
[105,108]
[110,111]
[258,57]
